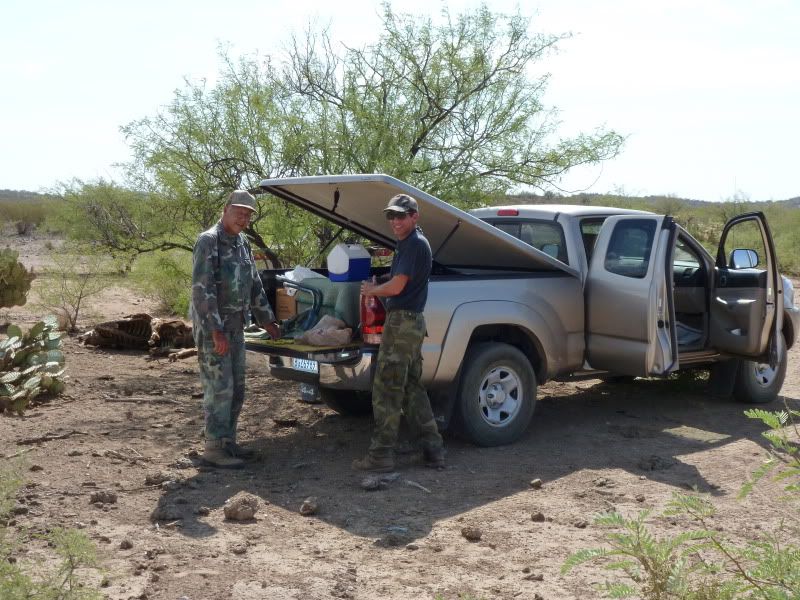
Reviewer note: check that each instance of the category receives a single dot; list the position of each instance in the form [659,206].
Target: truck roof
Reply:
[548,211]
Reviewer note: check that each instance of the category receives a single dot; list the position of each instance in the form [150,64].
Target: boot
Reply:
[434,458]
[238,451]
[374,464]
[217,455]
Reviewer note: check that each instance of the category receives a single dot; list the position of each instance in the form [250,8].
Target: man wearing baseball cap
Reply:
[226,289]
[396,389]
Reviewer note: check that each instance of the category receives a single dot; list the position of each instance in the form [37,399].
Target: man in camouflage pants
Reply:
[397,389]
[226,288]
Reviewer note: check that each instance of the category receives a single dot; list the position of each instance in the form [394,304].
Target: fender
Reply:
[470,315]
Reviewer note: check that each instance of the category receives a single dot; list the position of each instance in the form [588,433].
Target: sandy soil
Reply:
[132,426]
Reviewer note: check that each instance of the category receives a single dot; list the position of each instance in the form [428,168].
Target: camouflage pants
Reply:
[223,384]
[397,389]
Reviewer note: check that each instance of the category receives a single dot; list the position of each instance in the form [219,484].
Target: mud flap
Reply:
[443,402]
[723,378]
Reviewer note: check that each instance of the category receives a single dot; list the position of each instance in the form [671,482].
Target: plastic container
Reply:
[348,262]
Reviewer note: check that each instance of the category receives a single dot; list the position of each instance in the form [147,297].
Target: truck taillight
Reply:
[373,316]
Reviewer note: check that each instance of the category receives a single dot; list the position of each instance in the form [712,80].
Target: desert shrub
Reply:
[16,279]
[31,212]
[703,563]
[168,277]
[22,578]
[75,274]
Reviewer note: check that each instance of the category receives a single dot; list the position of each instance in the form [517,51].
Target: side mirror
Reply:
[743,258]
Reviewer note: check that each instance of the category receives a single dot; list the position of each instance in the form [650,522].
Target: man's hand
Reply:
[367,287]
[274,330]
[221,344]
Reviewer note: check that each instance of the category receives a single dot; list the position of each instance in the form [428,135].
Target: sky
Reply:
[706,92]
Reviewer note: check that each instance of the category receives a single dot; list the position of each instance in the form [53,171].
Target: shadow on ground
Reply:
[645,427]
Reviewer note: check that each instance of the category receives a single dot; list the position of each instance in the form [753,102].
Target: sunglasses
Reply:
[396,216]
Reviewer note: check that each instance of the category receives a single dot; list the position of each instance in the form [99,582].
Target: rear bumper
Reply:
[350,370]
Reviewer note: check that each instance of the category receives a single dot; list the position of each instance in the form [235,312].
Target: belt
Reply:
[410,313]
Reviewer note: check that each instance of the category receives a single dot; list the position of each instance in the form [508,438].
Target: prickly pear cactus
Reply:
[30,364]
[15,280]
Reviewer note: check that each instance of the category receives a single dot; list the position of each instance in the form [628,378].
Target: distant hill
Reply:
[615,199]
[548,198]
[793,201]
[22,195]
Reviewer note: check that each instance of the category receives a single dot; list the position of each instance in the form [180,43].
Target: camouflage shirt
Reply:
[225,283]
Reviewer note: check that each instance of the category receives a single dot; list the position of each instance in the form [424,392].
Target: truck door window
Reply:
[745,236]
[628,251]
[542,235]
[589,230]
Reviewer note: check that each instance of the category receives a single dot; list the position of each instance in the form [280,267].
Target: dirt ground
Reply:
[132,426]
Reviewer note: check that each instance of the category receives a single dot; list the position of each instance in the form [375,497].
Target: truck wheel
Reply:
[347,402]
[497,394]
[758,383]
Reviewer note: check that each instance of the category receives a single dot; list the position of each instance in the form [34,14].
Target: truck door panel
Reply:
[629,304]
[746,303]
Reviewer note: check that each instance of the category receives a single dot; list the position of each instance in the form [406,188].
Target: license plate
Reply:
[302,364]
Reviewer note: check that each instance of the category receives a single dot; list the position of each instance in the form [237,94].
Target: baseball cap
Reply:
[241,198]
[402,203]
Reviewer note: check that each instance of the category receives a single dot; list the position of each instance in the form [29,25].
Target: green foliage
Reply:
[660,568]
[32,210]
[702,563]
[31,363]
[783,458]
[451,107]
[168,277]
[24,579]
[15,280]
[123,222]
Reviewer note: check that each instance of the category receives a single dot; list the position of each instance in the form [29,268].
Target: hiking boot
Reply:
[374,464]
[238,451]
[217,455]
[434,458]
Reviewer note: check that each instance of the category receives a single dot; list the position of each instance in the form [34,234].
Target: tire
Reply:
[347,402]
[758,383]
[497,394]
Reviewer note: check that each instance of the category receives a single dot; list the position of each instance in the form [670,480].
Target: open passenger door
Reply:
[746,301]
[630,315]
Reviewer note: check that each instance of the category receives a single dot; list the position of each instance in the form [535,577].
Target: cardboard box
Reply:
[285,305]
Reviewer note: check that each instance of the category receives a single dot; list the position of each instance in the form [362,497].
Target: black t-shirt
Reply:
[412,258]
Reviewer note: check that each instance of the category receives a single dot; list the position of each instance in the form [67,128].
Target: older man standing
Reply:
[226,289]
[397,389]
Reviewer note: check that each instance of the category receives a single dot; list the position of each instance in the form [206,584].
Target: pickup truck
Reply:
[520,295]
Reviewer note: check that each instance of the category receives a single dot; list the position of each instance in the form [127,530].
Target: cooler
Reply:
[348,262]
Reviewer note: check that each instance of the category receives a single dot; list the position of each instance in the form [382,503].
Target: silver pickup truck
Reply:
[520,295]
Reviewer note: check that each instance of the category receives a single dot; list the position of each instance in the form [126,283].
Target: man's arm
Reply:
[204,291]
[204,284]
[393,287]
